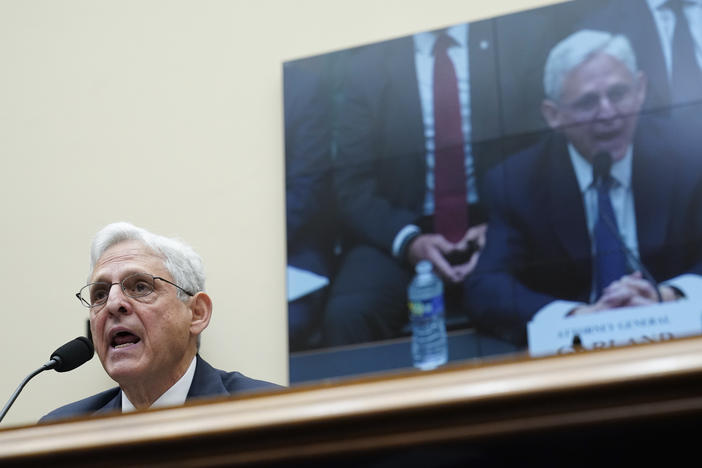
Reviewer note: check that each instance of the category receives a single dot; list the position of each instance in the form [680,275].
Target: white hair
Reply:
[578,48]
[181,261]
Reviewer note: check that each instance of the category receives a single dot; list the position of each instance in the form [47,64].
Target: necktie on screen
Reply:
[611,261]
[686,77]
[451,206]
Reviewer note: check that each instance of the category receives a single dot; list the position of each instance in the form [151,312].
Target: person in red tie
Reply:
[422,118]
[407,170]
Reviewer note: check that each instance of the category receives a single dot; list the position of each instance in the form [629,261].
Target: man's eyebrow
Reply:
[101,278]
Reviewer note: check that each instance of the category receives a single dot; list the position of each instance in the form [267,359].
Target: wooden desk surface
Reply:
[465,403]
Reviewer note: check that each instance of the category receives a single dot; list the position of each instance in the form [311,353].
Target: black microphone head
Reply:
[73,354]
[601,165]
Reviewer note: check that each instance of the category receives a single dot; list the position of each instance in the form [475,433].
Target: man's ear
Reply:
[201,308]
[551,113]
[641,88]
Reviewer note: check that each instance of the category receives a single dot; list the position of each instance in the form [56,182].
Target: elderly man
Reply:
[147,306]
[603,213]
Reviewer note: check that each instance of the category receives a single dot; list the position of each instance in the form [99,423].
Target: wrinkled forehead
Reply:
[596,71]
[126,257]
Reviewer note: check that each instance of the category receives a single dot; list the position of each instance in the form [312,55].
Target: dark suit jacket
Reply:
[207,382]
[307,107]
[538,247]
[380,165]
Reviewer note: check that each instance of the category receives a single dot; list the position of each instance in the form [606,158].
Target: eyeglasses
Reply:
[620,97]
[137,285]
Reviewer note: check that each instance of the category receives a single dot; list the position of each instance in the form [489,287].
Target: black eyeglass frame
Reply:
[121,285]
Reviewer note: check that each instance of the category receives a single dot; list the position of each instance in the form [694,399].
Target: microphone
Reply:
[601,166]
[67,357]
[71,355]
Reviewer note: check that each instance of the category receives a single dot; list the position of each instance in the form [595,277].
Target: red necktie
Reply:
[450,205]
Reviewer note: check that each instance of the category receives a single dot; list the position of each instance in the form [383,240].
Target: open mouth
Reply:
[124,339]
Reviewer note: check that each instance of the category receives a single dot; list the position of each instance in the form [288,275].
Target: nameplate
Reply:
[615,327]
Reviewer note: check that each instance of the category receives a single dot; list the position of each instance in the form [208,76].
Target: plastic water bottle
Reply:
[426,304]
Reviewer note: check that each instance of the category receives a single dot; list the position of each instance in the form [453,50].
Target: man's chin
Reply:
[617,152]
[122,367]
[616,149]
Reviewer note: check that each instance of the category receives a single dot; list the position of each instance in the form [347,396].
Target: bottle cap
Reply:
[423,267]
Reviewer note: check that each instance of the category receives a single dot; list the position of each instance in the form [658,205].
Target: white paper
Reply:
[303,282]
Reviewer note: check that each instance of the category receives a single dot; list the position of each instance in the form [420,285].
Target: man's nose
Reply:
[116,299]
[606,108]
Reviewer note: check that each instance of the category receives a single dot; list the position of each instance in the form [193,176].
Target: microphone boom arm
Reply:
[6,408]
[67,357]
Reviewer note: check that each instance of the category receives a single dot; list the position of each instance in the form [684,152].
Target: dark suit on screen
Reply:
[308,193]
[380,176]
[538,246]
[207,382]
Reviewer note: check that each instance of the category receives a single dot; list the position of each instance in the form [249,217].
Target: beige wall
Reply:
[167,114]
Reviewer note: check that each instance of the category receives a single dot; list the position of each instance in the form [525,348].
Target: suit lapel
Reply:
[567,208]
[483,79]
[402,119]
[206,381]
[485,110]
[115,404]
[404,103]
[651,205]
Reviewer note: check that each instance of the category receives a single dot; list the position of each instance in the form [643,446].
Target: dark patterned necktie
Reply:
[611,262]
[451,206]
[686,77]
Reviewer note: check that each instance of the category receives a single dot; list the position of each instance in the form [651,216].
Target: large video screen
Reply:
[546,163]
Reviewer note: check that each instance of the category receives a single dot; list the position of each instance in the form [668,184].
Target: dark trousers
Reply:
[367,300]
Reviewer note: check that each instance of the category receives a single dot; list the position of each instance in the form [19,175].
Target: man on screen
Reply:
[411,111]
[598,214]
[147,306]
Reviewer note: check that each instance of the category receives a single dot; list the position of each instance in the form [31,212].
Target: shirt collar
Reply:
[621,170]
[424,41]
[174,396]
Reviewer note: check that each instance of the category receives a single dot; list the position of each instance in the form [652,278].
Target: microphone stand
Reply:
[47,366]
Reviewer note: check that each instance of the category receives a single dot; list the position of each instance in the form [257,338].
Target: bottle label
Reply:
[427,308]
